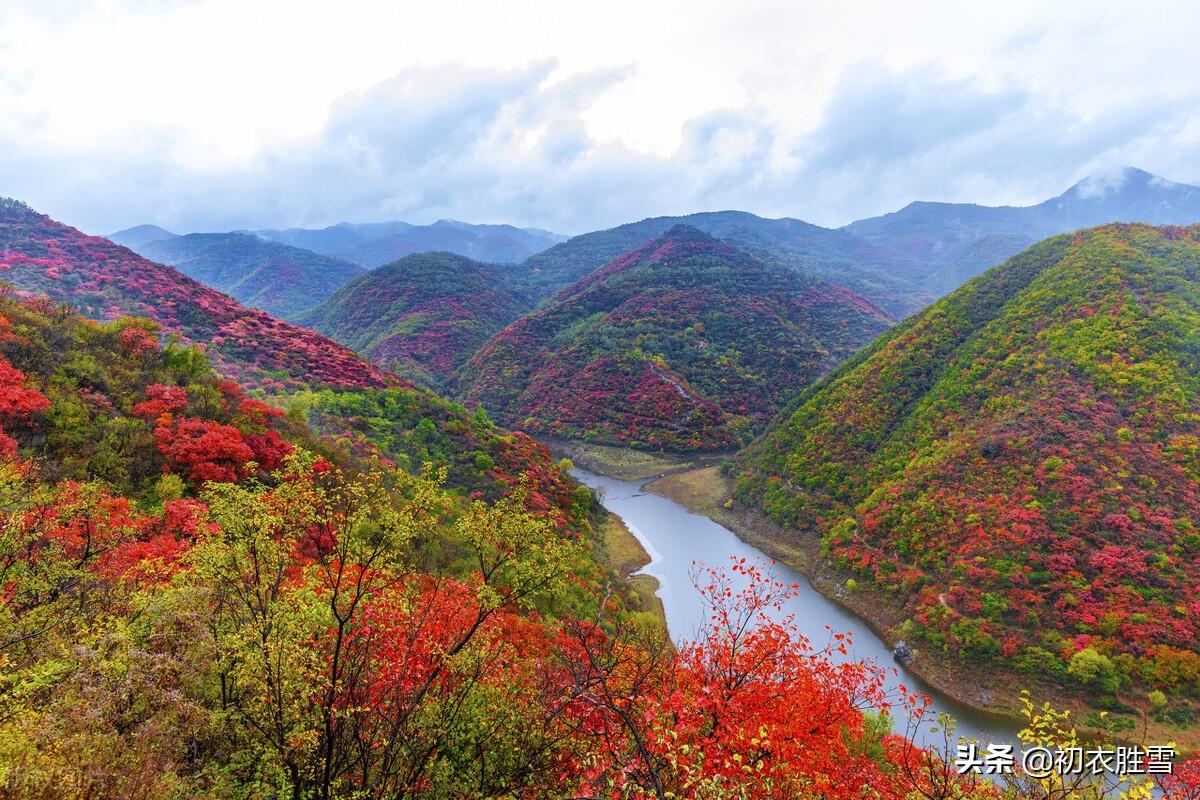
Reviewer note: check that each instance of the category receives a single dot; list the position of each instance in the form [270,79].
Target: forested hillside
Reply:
[684,343]
[1017,466]
[281,280]
[422,316]
[202,598]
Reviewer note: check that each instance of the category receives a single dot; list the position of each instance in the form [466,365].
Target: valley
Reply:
[999,485]
[604,401]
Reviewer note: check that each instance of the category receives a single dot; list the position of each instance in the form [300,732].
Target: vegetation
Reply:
[684,343]
[833,255]
[281,280]
[105,281]
[204,597]
[422,316]
[1017,465]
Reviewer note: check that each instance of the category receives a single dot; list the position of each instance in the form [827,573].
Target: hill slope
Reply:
[1018,463]
[376,244]
[106,281]
[420,317]
[280,279]
[833,255]
[683,343]
[948,243]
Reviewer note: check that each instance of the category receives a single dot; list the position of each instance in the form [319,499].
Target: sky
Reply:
[573,116]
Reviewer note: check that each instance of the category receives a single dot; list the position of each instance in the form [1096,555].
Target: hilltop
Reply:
[140,235]
[836,256]
[422,316]
[684,343]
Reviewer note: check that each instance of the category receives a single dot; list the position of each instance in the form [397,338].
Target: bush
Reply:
[1094,669]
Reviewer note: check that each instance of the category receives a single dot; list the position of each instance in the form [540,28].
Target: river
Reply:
[676,539]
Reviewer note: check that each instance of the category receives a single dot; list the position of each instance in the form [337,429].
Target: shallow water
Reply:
[677,540]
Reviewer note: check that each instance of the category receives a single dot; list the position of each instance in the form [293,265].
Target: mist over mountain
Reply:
[947,243]
[378,243]
[277,278]
[139,235]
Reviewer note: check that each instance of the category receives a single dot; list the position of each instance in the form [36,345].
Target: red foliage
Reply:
[1183,783]
[750,706]
[163,400]
[203,450]
[107,281]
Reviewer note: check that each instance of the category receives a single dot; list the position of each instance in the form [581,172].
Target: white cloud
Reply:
[228,113]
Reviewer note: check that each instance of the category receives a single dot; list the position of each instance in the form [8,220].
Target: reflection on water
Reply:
[677,540]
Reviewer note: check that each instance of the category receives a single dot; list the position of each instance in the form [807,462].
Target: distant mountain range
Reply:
[830,254]
[375,244]
[288,272]
[280,279]
[944,244]
[900,261]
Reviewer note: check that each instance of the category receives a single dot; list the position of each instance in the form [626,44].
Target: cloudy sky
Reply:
[222,114]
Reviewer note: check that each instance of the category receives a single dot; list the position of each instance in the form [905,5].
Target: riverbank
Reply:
[624,554]
[705,491]
[626,464]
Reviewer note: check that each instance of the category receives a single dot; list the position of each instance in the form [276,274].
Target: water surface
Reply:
[677,540]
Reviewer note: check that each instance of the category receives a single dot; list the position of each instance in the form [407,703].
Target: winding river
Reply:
[676,539]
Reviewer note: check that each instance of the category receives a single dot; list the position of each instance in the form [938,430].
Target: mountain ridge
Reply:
[421,316]
[1014,465]
[280,279]
[685,342]
[106,281]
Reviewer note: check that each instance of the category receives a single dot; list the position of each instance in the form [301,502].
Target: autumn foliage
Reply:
[683,343]
[1016,466]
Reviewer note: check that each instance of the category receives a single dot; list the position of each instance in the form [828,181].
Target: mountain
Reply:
[140,235]
[280,279]
[684,343]
[358,410]
[830,254]
[422,316]
[203,599]
[947,243]
[375,244]
[105,281]
[1018,466]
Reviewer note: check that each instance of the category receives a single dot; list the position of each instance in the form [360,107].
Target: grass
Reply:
[624,554]
[621,463]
